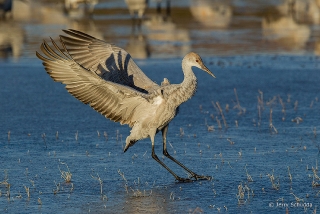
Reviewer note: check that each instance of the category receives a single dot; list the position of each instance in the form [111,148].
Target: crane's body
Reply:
[162,109]
[105,77]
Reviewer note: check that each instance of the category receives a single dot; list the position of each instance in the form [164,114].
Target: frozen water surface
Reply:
[263,157]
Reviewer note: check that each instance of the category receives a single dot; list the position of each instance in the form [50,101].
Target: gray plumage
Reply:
[106,77]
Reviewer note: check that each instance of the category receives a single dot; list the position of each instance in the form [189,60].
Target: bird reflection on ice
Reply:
[302,11]
[172,31]
[162,28]
[212,13]
[286,32]
[12,34]
[138,45]
[11,39]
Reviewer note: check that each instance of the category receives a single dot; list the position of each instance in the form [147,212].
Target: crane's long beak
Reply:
[203,67]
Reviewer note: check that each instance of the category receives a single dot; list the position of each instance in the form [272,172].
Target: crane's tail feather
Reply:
[129,143]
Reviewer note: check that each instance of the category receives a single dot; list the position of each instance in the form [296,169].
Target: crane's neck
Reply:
[189,85]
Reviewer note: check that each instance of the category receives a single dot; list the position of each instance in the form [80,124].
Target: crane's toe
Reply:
[195,176]
[184,180]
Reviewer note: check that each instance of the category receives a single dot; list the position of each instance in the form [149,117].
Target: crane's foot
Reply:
[184,180]
[201,177]
[195,178]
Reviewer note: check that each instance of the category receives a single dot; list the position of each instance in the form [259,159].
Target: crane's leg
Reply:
[154,156]
[165,152]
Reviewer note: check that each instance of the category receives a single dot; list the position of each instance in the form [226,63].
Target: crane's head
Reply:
[194,59]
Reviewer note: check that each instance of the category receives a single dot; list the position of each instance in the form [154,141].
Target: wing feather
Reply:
[110,62]
[116,102]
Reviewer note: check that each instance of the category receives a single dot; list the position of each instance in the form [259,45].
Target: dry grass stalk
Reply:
[290,176]
[283,108]
[212,116]
[230,141]
[172,196]
[282,105]
[57,135]
[32,182]
[272,101]
[222,115]
[214,105]
[174,151]
[57,189]
[275,185]
[181,132]
[260,99]
[117,136]
[9,133]
[238,106]
[259,114]
[138,193]
[27,191]
[105,135]
[100,182]
[197,210]
[314,182]
[44,139]
[315,210]
[66,175]
[39,202]
[296,105]
[76,135]
[243,191]
[72,187]
[219,123]
[122,175]
[227,108]
[249,178]
[6,184]
[316,178]
[210,128]
[271,126]
[8,191]
[296,198]
[297,120]
[222,160]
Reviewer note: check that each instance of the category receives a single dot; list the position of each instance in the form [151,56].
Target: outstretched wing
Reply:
[108,61]
[114,101]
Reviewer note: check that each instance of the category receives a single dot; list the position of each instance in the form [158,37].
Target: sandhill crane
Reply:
[217,14]
[74,4]
[137,7]
[5,7]
[106,77]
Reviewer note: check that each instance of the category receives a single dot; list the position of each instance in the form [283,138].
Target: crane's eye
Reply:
[197,60]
